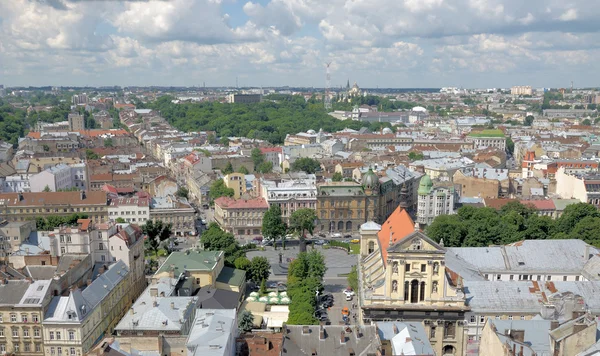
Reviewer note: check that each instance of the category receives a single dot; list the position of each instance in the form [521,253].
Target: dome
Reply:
[419,108]
[425,185]
[311,132]
[369,179]
[387,131]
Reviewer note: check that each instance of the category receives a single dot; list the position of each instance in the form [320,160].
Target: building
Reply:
[79,99]
[241,217]
[127,245]
[174,210]
[343,206]
[403,276]
[521,90]
[399,338]
[237,182]
[74,323]
[488,138]
[29,206]
[16,183]
[22,304]
[273,155]
[16,232]
[60,177]
[399,185]
[331,340]
[483,182]
[135,210]
[290,194]
[214,333]
[244,98]
[433,201]
[76,122]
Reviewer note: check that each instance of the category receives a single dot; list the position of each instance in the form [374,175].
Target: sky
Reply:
[376,43]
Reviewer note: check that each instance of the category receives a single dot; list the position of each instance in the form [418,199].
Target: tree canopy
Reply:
[305,277]
[259,269]
[337,177]
[273,227]
[157,233]
[302,221]
[219,189]
[306,164]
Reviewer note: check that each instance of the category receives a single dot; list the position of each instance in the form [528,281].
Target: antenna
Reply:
[327,85]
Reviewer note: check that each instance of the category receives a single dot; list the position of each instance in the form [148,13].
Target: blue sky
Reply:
[385,43]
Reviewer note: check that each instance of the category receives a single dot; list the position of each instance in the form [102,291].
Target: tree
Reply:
[415,156]
[182,192]
[510,145]
[157,232]
[228,168]
[47,188]
[306,164]
[246,322]
[259,269]
[301,221]
[215,239]
[337,177]
[225,141]
[447,227]
[218,189]
[573,214]
[588,230]
[242,263]
[528,120]
[263,287]
[257,157]
[353,278]
[89,154]
[211,139]
[586,122]
[273,227]
[108,142]
[243,170]
[265,167]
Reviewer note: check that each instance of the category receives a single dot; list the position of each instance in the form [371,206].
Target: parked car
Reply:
[321,234]
[347,236]
[257,238]
[348,297]
[336,235]
[321,242]
[348,291]
[355,241]
[267,243]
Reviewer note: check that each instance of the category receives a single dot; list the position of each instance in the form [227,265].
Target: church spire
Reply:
[404,197]
[348,84]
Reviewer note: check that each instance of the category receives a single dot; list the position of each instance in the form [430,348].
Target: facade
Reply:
[28,206]
[135,210]
[402,276]
[73,324]
[22,304]
[176,211]
[433,201]
[521,90]
[244,98]
[290,195]
[127,245]
[488,138]
[76,122]
[482,182]
[237,182]
[344,206]
[241,217]
[17,183]
[273,155]
[60,177]
[16,232]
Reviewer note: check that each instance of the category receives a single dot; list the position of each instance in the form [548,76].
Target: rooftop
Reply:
[230,203]
[211,333]
[488,133]
[178,262]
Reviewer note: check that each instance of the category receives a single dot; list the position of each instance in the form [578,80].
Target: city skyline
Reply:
[385,44]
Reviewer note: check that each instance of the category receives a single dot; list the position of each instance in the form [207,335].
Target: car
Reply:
[354,241]
[336,235]
[271,284]
[348,291]
[267,243]
[320,242]
[346,241]
[203,222]
[348,297]
[321,234]
[347,236]
[257,238]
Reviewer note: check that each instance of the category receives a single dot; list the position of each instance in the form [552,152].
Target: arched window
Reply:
[340,225]
[422,292]
[371,246]
[414,291]
[348,225]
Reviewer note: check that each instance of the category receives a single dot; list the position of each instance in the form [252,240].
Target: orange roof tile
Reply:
[34,134]
[398,225]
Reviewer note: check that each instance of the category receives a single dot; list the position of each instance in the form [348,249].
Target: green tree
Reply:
[246,322]
[588,230]
[353,278]
[263,287]
[89,154]
[306,164]
[242,263]
[273,227]
[528,120]
[302,221]
[337,177]
[47,188]
[573,214]
[108,142]
[257,157]
[586,122]
[510,145]
[215,239]
[225,141]
[120,220]
[415,156]
[228,168]
[218,189]
[243,170]
[447,227]
[265,167]
[259,269]
[211,139]
[157,232]
[182,192]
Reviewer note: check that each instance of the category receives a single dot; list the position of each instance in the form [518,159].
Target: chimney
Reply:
[342,337]
[521,351]
[82,195]
[514,350]
[172,305]
[395,328]
[154,292]
[305,330]
[321,333]
[20,196]
[155,303]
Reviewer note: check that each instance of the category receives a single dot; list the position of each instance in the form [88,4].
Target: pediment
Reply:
[417,242]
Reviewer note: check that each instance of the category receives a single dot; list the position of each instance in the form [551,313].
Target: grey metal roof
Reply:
[536,335]
[406,338]
[363,342]
[211,332]
[12,292]
[501,297]
[210,298]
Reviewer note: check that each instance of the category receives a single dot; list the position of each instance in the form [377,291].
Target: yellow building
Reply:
[73,324]
[402,276]
[237,182]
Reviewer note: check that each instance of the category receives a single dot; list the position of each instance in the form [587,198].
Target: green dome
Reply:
[425,185]
[369,180]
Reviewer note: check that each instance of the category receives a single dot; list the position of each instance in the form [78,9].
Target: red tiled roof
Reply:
[84,224]
[271,149]
[230,203]
[540,204]
[34,134]
[55,198]
[496,203]
[398,225]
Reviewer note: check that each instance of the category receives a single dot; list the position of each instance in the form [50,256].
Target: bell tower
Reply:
[369,241]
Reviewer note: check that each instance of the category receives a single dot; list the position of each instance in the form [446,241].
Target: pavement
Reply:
[336,288]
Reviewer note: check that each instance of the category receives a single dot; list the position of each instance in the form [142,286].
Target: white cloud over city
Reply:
[385,43]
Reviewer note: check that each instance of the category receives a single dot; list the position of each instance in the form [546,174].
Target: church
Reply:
[403,277]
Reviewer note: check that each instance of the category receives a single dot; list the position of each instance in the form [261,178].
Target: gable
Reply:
[417,242]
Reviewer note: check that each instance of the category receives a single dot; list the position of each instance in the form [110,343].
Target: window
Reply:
[564,278]
[13,318]
[58,335]
[36,332]
[62,250]
[510,317]
[16,348]
[68,238]
[472,318]
[23,318]
[72,351]
[423,267]
[549,278]
[25,332]
[498,277]
[1,332]
[62,238]
[1,318]
[100,246]
[407,267]
[482,319]
[432,332]
[539,278]
[59,350]
[35,317]
[52,352]
[38,348]
[15,332]
[71,335]
[512,277]
[51,335]
[522,317]
[485,276]
[497,317]
[577,278]
[27,348]
[2,348]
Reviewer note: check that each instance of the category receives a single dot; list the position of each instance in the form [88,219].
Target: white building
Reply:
[521,90]
[213,333]
[60,177]
[433,201]
[135,210]
[17,183]
[291,195]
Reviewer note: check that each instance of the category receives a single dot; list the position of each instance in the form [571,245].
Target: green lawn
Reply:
[354,249]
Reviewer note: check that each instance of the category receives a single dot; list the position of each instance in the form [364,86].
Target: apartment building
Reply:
[29,206]
[237,182]
[241,217]
[60,177]
[488,138]
[135,210]
[290,194]
[176,211]
[433,201]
